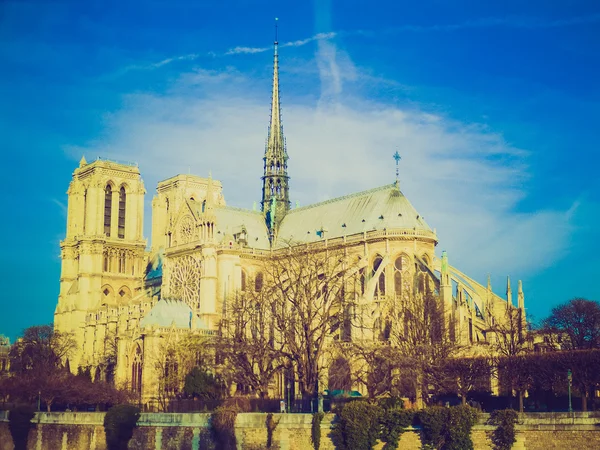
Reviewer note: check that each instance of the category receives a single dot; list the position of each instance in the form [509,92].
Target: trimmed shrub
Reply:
[119,422]
[357,427]
[505,435]
[447,428]
[393,422]
[222,423]
[201,384]
[458,428]
[19,424]
[433,423]
[390,403]
[315,430]
[271,425]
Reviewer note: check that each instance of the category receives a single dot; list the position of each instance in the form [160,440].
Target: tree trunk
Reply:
[584,400]
[464,399]
[520,401]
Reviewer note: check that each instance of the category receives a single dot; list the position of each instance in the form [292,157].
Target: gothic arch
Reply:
[121,212]
[125,186]
[380,286]
[109,188]
[124,294]
[108,295]
[258,282]
[340,376]
[401,276]
[136,369]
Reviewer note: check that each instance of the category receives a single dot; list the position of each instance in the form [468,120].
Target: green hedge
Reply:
[119,422]
[357,426]
[393,422]
[315,431]
[447,428]
[505,434]
[19,424]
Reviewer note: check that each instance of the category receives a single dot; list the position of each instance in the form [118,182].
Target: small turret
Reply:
[521,298]
[445,283]
[508,293]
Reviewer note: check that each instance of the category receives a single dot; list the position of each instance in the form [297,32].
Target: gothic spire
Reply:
[275,195]
[276,142]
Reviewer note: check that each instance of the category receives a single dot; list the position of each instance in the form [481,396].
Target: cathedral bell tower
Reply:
[275,192]
[103,253]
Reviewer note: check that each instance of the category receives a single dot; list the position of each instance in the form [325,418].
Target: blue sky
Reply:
[494,109]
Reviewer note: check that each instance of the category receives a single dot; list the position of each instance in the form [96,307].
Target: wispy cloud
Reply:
[490,22]
[246,50]
[61,205]
[450,170]
[316,37]
[239,50]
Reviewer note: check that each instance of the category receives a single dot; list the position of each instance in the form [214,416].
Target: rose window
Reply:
[186,229]
[185,281]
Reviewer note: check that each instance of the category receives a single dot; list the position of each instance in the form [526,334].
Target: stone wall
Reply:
[84,431]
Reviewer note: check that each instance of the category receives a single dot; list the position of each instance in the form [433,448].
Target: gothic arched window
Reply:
[243,284]
[122,201]
[362,280]
[380,289]
[136,371]
[399,266]
[107,209]
[122,262]
[84,210]
[258,282]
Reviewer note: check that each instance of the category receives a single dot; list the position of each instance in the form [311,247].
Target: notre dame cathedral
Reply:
[114,283]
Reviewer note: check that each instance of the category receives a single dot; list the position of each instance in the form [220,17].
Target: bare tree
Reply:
[374,366]
[510,339]
[306,289]
[509,333]
[41,349]
[168,376]
[465,375]
[247,345]
[576,324]
[419,334]
[175,358]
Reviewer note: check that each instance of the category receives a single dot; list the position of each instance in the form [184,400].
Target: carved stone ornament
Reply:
[186,229]
[185,280]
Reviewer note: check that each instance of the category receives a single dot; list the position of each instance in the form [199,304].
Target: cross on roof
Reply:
[397,157]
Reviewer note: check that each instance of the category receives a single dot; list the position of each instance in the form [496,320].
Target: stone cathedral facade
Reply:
[121,296]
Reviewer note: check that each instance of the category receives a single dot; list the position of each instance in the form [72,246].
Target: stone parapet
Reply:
[84,430]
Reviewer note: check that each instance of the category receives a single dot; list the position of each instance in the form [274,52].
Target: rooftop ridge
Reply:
[238,209]
[115,161]
[345,197]
[190,177]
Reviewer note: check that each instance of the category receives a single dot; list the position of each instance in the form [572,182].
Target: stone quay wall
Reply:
[156,431]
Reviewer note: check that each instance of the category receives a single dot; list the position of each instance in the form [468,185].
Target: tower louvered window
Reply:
[243,281]
[107,209]
[122,199]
